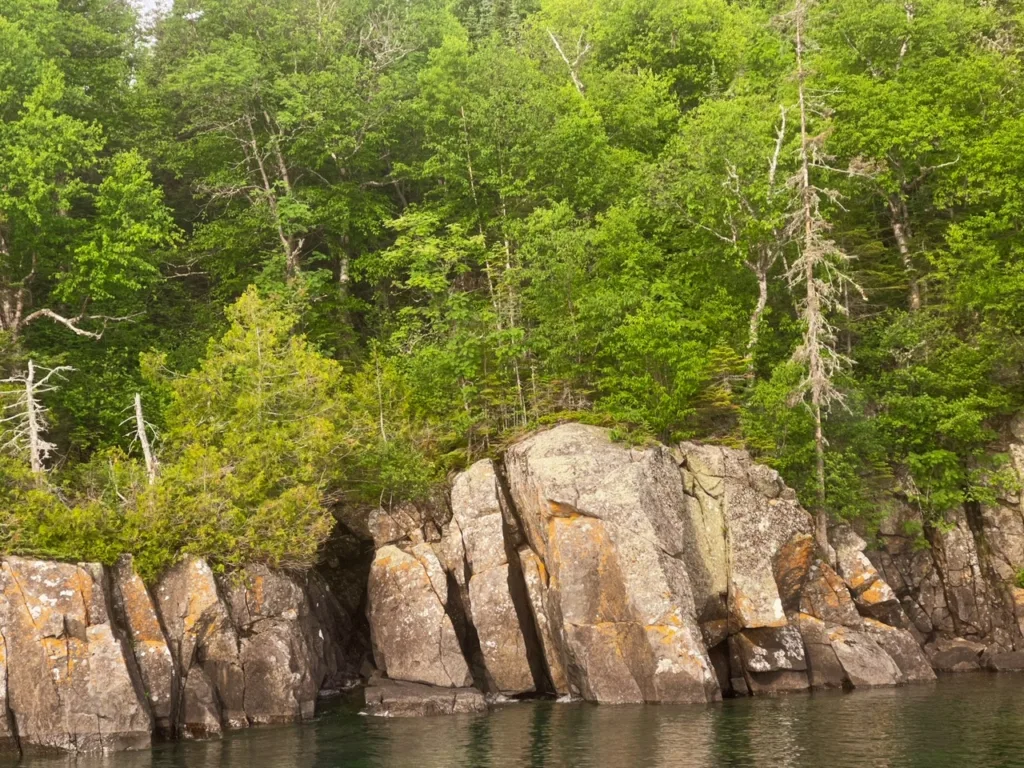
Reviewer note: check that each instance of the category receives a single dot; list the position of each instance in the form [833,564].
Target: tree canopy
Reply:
[343,248]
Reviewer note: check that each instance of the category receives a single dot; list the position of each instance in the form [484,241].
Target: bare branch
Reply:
[582,49]
[72,322]
[140,431]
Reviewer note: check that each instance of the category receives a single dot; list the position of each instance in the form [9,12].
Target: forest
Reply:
[262,261]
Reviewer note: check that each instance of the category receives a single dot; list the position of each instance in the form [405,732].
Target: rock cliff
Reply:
[91,660]
[581,567]
[959,582]
[575,566]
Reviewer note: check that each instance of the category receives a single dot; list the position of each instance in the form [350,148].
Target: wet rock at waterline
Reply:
[391,698]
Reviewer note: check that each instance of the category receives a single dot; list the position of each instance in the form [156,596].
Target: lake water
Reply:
[959,722]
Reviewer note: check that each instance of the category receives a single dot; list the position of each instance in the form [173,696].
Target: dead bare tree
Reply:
[16,301]
[142,435]
[582,49]
[821,269]
[25,425]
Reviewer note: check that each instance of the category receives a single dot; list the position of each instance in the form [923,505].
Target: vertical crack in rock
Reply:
[513,535]
[459,613]
[9,741]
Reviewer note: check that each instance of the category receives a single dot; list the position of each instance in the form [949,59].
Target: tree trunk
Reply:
[140,431]
[817,375]
[755,317]
[35,453]
[900,221]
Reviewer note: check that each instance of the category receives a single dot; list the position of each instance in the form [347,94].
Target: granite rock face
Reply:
[605,521]
[582,567]
[742,518]
[413,637]
[72,681]
[286,651]
[496,594]
[958,579]
[204,644]
[149,645]
[92,660]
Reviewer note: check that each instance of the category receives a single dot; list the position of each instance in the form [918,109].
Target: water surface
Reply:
[958,722]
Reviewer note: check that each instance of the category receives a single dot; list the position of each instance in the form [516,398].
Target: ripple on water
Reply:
[960,722]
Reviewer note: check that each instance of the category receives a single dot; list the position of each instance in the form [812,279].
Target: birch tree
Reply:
[726,176]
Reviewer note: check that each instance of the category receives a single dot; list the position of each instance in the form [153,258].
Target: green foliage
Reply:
[435,230]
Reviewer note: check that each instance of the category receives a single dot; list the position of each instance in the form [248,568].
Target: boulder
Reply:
[252,647]
[903,649]
[770,649]
[907,563]
[1012,661]
[975,606]
[412,635]
[773,659]
[495,583]
[72,682]
[607,647]
[138,614]
[863,661]
[393,698]
[955,655]
[792,569]
[605,522]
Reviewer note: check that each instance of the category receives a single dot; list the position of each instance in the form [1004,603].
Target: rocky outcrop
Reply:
[583,567]
[957,578]
[605,522]
[497,602]
[91,660]
[413,637]
[159,673]
[204,644]
[291,643]
[72,681]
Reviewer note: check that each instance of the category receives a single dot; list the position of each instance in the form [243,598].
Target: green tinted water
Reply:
[961,722]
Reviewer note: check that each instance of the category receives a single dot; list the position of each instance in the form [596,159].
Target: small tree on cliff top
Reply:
[253,443]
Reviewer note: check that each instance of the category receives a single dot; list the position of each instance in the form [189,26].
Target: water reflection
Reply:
[958,722]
